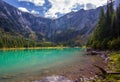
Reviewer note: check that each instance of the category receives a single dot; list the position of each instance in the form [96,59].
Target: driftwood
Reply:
[102,54]
[112,73]
[90,51]
[104,72]
[101,69]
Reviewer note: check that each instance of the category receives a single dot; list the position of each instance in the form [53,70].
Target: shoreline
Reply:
[101,63]
[86,73]
[81,73]
[111,71]
[36,48]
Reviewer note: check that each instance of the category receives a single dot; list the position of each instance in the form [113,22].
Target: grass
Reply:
[33,48]
[114,66]
[23,48]
[114,63]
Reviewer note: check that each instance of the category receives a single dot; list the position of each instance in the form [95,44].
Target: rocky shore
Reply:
[85,73]
[102,54]
[102,74]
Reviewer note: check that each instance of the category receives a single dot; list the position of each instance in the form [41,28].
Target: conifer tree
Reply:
[107,31]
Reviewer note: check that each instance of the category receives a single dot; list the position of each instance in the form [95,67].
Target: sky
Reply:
[55,8]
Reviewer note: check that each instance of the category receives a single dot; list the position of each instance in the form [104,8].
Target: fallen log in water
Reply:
[90,51]
[104,72]
[101,69]
[113,73]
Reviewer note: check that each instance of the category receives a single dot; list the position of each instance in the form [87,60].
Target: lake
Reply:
[34,64]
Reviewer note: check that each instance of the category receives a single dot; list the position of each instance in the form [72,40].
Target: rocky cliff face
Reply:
[16,22]
[73,24]
[79,21]
[70,26]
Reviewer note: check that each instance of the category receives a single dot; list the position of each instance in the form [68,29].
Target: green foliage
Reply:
[114,44]
[11,41]
[69,38]
[114,66]
[114,63]
[107,32]
[45,44]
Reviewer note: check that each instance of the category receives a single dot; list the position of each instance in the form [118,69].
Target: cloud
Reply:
[35,2]
[66,6]
[35,12]
[89,6]
[23,9]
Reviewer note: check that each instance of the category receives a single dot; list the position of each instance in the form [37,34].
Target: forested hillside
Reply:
[107,32]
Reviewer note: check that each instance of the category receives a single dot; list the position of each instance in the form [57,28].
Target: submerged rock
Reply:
[7,76]
[55,79]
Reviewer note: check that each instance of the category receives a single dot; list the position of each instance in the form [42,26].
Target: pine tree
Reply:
[106,28]
[118,21]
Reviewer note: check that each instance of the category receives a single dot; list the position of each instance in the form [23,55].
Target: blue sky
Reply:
[55,8]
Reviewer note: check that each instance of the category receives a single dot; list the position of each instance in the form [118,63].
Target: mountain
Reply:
[74,26]
[20,23]
[76,23]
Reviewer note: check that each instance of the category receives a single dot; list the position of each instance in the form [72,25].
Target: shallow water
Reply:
[29,65]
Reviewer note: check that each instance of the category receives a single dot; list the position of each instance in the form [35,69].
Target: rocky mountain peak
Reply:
[71,25]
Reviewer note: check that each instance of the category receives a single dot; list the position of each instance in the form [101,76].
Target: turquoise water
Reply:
[26,61]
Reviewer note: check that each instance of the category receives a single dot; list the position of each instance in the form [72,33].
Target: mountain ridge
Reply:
[72,25]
